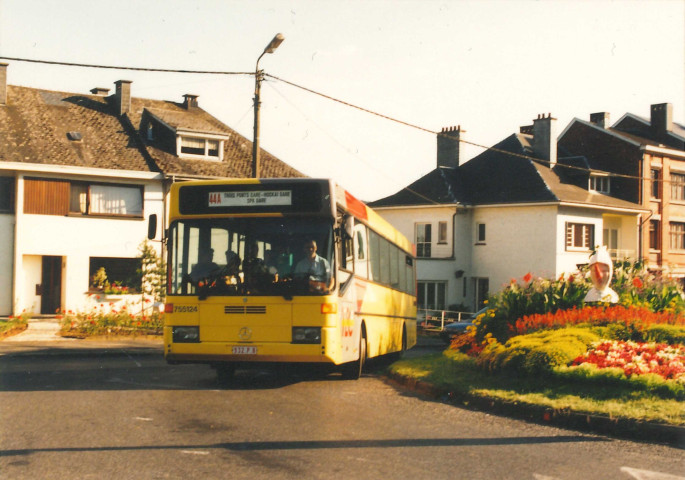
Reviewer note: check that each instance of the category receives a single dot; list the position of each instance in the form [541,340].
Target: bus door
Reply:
[353,273]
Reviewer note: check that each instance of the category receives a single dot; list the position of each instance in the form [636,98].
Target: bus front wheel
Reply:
[353,370]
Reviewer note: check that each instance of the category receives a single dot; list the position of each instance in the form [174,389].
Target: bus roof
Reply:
[343,199]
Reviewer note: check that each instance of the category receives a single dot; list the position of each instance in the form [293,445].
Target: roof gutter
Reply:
[562,204]
[413,207]
[664,151]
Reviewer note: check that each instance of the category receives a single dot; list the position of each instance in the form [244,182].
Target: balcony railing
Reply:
[437,319]
[619,254]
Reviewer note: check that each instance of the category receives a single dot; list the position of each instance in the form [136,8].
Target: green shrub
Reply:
[670,334]
[537,352]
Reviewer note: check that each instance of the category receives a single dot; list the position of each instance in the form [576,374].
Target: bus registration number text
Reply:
[244,350]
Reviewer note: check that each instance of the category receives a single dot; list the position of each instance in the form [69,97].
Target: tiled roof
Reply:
[497,177]
[34,126]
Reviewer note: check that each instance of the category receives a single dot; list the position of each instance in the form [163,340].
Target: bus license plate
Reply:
[244,350]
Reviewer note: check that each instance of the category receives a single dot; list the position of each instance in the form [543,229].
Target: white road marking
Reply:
[194,452]
[144,419]
[649,475]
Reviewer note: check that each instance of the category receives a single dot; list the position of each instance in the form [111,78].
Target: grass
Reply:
[458,373]
[13,325]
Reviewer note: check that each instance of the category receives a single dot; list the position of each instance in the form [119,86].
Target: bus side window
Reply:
[361,256]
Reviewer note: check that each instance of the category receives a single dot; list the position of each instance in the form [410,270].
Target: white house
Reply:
[503,214]
[80,176]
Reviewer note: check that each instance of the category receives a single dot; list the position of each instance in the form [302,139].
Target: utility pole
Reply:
[259,76]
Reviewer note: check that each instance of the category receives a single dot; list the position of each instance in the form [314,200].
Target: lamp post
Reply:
[259,76]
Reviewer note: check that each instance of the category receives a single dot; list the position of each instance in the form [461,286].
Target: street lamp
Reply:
[259,76]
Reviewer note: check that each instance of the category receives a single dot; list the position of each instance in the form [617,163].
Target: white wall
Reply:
[76,239]
[519,240]
[6,263]
[29,276]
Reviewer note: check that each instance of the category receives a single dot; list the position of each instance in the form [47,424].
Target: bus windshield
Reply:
[282,256]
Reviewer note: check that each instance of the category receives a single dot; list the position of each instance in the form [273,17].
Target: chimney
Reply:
[661,116]
[449,146]
[189,101]
[545,138]
[3,83]
[601,119]
[100,91]
[122,96]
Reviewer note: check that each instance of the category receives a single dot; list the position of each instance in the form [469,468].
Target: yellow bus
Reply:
[281,271]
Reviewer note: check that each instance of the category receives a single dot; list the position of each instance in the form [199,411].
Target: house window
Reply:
[6,194]
[482,290]
[200,147]
[655,174]
[654,242]
[610,239]
[124,272]
[423,240]
[480,233]
[442,232]
[96,199]
[580,236]
[677,186]
[599,184]
[62,197]
[431,295]
[677,236]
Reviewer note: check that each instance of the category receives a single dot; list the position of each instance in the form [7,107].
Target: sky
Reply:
[489,66]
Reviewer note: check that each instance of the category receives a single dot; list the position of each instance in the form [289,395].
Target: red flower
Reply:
[637,283]
[527,277]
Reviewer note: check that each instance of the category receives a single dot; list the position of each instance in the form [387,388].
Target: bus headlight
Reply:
[185,334]
[306,334]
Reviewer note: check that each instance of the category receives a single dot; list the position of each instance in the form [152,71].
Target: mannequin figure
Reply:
[601,269]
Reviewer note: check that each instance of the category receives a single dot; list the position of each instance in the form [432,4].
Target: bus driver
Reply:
[315,268]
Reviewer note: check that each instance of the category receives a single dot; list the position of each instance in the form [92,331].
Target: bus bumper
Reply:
[220,352]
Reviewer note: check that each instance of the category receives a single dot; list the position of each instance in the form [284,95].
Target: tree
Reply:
[152,272]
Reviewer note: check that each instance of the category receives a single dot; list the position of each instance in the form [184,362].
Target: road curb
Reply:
[80,348]
[605,425]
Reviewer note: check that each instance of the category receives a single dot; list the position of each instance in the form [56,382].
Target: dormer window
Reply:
[599,184]
[200,147]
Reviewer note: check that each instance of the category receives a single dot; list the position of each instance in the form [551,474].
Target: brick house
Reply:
[80,174]
[639,160]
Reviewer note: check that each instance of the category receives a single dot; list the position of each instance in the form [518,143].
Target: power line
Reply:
[119,67]
[461,140]
[366,110]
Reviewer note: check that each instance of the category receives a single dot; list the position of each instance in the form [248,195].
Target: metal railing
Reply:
[429,319]
[618,254]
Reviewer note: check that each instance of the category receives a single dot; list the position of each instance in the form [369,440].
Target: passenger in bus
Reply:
[205,265]
[280,262]
[231,272]
[254,268]
[315,268]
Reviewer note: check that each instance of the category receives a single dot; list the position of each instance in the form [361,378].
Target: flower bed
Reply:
[103,320]
[667,361]
[636,317]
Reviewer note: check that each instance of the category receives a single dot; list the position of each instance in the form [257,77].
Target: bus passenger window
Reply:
[361,261]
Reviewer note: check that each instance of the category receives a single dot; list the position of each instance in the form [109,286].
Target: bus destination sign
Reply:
[258,198]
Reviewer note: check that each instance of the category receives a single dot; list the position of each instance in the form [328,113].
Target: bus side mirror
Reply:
[152,226]
[349,226]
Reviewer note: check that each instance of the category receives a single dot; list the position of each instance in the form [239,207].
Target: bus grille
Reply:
[242,309]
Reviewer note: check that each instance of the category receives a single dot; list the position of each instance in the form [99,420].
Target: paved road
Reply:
[123,413]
